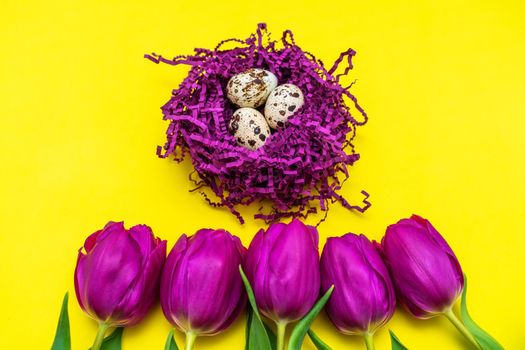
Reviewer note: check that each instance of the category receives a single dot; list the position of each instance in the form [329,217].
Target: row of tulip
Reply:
[120,274]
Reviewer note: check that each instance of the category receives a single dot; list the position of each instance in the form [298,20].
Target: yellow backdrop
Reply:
[80,122]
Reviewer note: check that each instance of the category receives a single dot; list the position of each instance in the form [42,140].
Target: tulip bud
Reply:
[425,271]
[282,266]
[363,299]
[117,275]
[202,291]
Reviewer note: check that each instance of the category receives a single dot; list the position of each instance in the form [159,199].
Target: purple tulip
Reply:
[202,292]
[363,299]
[282,266]
[117,276]
[426,272]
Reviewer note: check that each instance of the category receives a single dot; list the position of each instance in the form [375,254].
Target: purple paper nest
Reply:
[298,167]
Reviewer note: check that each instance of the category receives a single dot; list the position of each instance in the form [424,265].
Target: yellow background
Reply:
[80,122]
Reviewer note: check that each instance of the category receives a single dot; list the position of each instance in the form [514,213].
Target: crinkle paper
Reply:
[300,168]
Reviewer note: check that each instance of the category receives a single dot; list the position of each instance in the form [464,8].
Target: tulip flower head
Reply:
[425,270]
[363,299]
[117,275]
[118,272]
[202,292]
[282,266]
[426,273]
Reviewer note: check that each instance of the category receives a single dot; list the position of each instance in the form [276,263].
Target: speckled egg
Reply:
[282,103]
[249,128]
[251,88]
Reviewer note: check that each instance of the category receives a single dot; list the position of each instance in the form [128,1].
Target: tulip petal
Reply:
[256,261]
[445,247]
[167,299]
[432,233]
[220,286]
[80,279]
[110,228]
[143,293]
[91,241]
[115,264]
[144,237]
[384,306]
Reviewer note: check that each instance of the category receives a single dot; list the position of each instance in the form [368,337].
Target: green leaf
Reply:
[258,337]
[271,336]
[396,344]
[170,342]
[483,338]
[300,330]
[319,344]
[113,341]
[269,331]
[62,339]
[249,317]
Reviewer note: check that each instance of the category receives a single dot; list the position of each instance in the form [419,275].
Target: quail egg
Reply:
[249,128]
[251,88]
[282,103]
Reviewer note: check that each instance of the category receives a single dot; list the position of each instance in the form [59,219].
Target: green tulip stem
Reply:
[190,340]
[369,341]
[102,328]
[460,327]
[281,331]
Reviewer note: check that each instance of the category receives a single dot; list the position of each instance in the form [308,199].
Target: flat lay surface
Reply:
[80,121]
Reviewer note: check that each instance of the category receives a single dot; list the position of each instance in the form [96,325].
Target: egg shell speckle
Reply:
[249,128]
[282,103]
[251,88]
